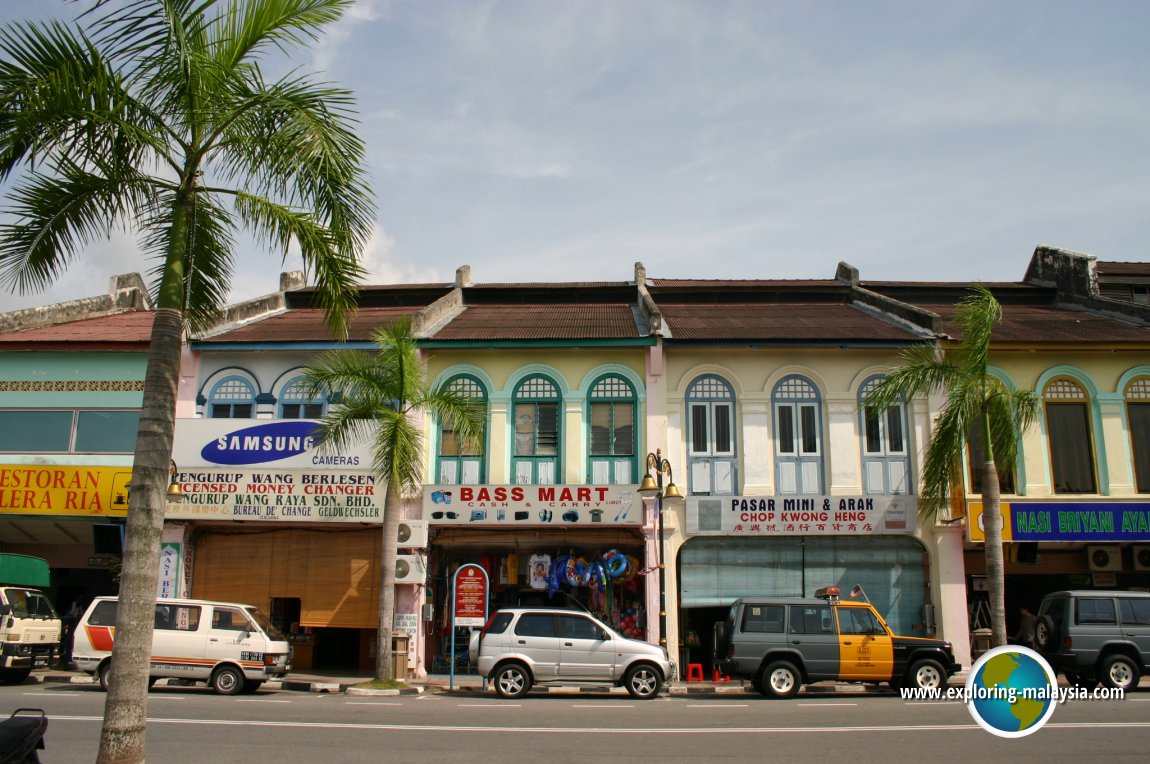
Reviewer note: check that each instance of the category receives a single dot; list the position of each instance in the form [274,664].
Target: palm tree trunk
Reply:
[125,711]
[384,670]
[995,564]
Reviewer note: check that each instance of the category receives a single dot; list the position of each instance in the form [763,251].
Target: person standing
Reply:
[1025,635]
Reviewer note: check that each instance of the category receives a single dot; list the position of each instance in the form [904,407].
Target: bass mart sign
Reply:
[801,516]
[1067,521]
[557,505]
[27,489]
[280,495]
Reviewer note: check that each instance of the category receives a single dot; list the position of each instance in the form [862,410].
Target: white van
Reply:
[232,647]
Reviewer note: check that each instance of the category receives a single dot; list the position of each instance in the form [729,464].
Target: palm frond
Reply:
[249,26]
[978,314]
[57,217]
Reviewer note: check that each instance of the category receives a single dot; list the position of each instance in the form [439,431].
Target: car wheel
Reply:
[722,640]
[14,676]
[1044,637]
[780,680]
[251,685]
[1119,673]
[227,680]
[512,680]
[927,674]
[105,674]
[642,681]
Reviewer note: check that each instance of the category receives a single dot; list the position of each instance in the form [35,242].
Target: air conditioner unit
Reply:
[1103,558]
[410,569]
[1142,558]
[412,534]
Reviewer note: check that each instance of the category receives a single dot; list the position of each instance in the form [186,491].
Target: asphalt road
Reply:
[192,725]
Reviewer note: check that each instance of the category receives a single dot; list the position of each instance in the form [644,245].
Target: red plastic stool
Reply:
[694,672]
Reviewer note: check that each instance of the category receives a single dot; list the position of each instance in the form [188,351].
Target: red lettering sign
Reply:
[470,596]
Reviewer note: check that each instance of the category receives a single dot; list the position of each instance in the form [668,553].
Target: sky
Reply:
[565,140]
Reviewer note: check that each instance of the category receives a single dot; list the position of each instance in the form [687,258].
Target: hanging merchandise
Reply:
[540,567]
[512,569]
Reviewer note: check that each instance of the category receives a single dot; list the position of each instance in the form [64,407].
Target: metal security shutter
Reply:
[892,571]
[335,574]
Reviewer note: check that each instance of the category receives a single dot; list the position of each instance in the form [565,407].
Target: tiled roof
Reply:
[803,321]
[743,283]
[128,328]
[307,325]
[552,321]
[1051,324]
[1111,268]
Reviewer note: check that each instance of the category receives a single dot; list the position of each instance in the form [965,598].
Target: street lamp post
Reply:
[653,486]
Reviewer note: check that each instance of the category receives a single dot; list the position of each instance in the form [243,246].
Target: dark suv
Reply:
[782,643]
[1093,636]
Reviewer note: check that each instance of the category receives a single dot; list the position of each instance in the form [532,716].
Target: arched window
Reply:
[232,398]
[294,404]
[886,460]
[711,454]
[536,413]
[1070,437]
[612,411]
[1137,396]
[461,462]
[798,437]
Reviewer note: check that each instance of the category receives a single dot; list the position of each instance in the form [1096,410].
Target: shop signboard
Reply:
[866,515]
[1066,521]
[260,444]
[279,495]
[169,571]
[33,489]
[527,505]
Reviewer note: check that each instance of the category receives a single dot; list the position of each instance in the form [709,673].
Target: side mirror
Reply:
[5,610]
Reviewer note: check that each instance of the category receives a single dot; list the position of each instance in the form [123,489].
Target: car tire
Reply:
[14,676]
[227,680]
[1119,673]
[251,685]
[643,681]
[104,674]
[780,679]
[512,680]
[1045,636]
[722,640]
[926,674]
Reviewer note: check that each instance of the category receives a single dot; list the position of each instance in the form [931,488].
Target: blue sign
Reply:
[262,443]
[1080,521]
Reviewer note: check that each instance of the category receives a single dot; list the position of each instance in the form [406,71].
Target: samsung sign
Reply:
[280,443]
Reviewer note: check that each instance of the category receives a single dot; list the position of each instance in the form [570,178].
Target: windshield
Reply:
[265,624]
[29,603]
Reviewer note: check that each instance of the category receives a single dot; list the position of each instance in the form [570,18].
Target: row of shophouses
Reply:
[751,390]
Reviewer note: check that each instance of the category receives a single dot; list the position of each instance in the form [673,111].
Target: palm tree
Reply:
[977,405]
[153,116]
[380,397]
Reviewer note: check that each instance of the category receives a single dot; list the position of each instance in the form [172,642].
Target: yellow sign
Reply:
[36,489]
[974,526]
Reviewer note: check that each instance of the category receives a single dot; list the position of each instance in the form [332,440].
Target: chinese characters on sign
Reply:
[801,516]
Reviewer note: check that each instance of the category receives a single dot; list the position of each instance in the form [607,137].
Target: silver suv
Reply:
[520,647]
[1093,636]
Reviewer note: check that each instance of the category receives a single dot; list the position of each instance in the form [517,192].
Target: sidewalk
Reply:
[469,684]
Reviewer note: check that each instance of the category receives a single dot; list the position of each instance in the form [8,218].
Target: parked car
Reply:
[782,643]
[1095,635]
[521,647]
[231,646]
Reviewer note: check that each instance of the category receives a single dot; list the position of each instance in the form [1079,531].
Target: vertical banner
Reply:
[468,605]
[167,587]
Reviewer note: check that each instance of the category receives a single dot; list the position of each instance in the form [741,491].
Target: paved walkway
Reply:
[470,684]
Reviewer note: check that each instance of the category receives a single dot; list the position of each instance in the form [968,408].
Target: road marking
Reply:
[260,700]
[490,705]
[601,705]
[718,705]
[371,703]
[826,704]
[54,694]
